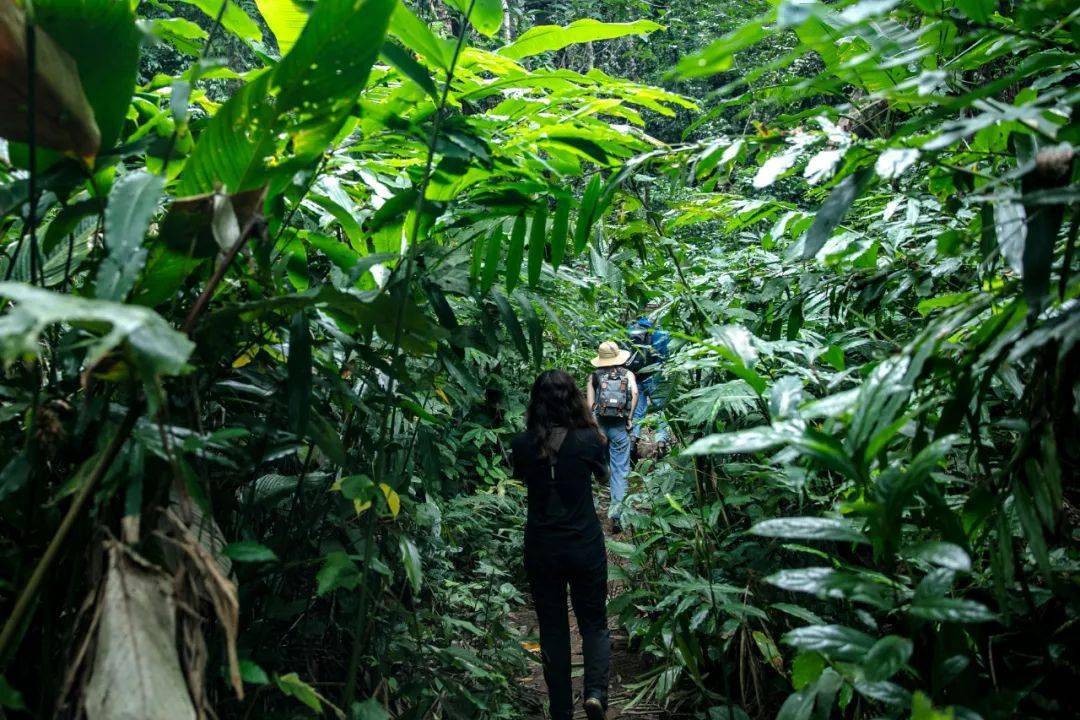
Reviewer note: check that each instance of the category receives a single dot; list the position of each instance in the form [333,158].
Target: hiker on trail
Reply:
[649,350]
[612,395]
[556,457]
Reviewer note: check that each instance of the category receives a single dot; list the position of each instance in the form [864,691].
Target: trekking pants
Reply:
[551,567]
[618,463]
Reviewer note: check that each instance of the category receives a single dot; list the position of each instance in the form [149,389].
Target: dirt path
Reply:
[626,665]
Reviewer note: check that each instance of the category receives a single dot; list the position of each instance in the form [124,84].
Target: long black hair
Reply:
[556,402]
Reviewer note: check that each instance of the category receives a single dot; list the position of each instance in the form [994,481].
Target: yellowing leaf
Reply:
[246,357]
[674,503]
[393,500]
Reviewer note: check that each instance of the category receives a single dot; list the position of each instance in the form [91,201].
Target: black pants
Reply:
[582,567]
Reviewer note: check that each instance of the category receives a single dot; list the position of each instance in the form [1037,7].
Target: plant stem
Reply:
[219,273]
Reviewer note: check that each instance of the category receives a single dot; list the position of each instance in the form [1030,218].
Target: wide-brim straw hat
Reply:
[609,355]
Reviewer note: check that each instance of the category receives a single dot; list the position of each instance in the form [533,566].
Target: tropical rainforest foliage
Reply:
[277,274]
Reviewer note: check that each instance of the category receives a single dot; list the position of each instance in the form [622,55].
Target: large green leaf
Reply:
[233,148]
[295,109]
[514,253]
[797,706]
[151,347]
[331,60]
[248,551]
[486,15]
[184,35]
[492,255]
[370,709]
[415,35]
[545,38]
[101,37]
[832,211]
[537,244]
[291,685]
[132,203]
[745,441]
[587,213]
[338,571]
[720,54]
[950,610]
[63,119]
[978,10]
[535,328]
[1010,228]
[410,558]
[886,657]
[156,348]
[810,528]
[513,326]
[233,18]
[409,67]
[836,642]
[942,554]
[837,584]
[560,225]
[285,18]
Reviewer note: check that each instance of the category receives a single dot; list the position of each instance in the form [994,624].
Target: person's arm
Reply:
[633,399]
[589,399]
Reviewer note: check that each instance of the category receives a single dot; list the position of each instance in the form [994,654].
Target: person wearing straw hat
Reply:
[612,394]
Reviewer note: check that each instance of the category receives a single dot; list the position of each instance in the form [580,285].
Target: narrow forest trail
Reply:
[626,665]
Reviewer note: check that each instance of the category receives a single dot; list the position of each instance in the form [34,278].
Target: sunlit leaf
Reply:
[546,38]
[285,18]
[486,15]
[810,528]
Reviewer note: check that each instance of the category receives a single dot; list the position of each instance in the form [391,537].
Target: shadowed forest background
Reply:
[277,276]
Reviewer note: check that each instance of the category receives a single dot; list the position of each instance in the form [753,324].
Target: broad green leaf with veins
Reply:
[286,20]
[157,348]
[486,15]
[132,204]
[314,84]
[546,38]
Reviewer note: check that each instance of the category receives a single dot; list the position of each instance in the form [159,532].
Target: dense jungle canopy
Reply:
[277,276]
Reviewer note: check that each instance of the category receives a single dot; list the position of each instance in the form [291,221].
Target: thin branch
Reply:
[219,272]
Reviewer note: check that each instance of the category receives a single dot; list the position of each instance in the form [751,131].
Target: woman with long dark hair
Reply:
[556,457]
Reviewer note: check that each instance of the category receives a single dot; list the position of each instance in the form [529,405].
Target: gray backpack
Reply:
[612,388]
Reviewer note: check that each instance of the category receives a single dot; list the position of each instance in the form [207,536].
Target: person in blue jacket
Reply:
[651,346]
